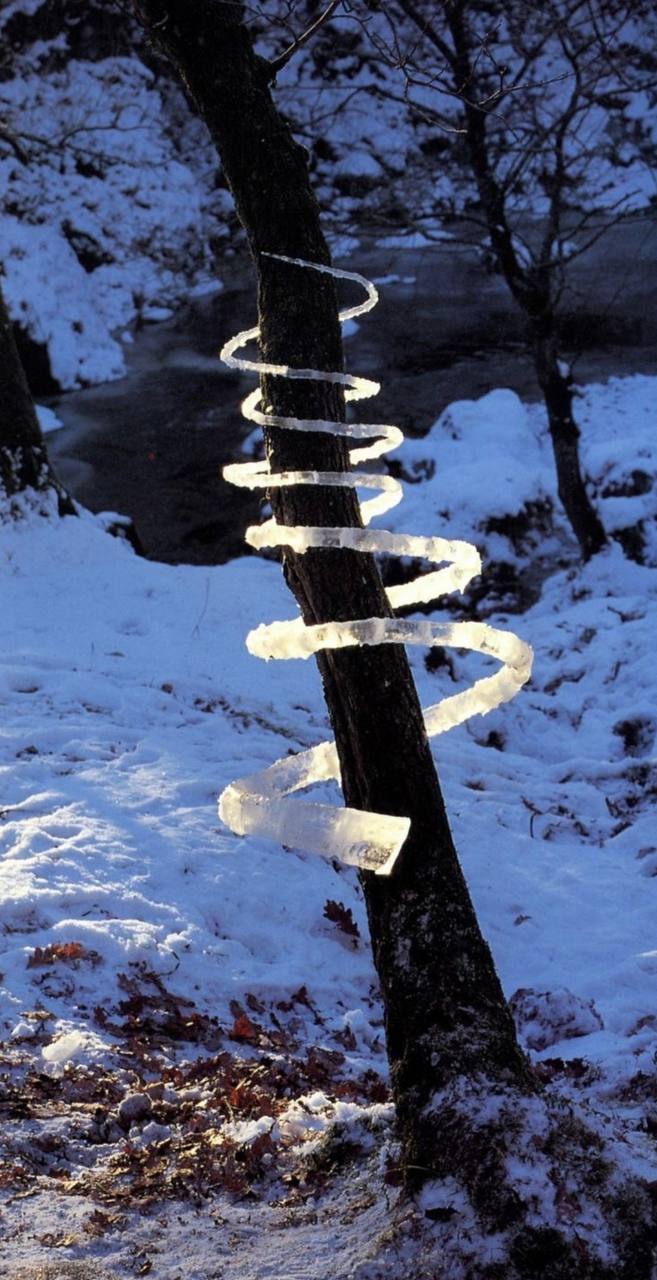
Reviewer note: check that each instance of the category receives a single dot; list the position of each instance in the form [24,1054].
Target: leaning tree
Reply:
[462,1088]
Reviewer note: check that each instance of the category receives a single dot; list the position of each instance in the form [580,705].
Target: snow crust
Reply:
[129,702]
[48,420]
[106,222]
[256,804]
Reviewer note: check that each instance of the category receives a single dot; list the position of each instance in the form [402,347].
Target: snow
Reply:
[499,427]
[49,293]
[520,509]
[19,6]
[85,650]
[413,239]
[129,701]
[174,997]
[361,164]
[107,222]
[205,287]
[67,1047]
[48,420]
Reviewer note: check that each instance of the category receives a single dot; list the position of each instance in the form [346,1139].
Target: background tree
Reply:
[530,121]
[545,103]
[23,456]
[460,1082]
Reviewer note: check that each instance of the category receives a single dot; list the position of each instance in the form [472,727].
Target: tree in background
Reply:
[533,121]
[23,456]
[463,1090]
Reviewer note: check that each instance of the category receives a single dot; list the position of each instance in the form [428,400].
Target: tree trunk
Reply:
[531,289]
[23,456]
[444,1009]
[557,391]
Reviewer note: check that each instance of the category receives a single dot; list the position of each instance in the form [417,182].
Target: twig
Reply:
[7,135]
[277,64]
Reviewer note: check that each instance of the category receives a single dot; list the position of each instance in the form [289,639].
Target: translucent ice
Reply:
[260,804]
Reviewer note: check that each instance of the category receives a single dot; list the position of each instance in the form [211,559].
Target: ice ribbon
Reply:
[259,804]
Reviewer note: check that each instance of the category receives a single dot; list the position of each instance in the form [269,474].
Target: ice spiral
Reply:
[260,804]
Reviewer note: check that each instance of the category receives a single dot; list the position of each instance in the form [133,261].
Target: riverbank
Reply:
[152,446]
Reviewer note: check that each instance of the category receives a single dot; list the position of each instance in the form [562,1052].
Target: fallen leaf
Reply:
[244,1028]
[68,951]
[340,915]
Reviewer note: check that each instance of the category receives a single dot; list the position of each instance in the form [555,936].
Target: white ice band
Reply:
[259,804]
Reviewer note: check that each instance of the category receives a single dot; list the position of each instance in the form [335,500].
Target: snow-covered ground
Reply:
[192,1055]
[107,204]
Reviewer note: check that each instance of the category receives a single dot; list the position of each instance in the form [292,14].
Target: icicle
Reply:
[259,804]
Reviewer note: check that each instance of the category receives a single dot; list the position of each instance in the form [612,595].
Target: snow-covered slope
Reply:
[509,507]
[147,952]
[107,207]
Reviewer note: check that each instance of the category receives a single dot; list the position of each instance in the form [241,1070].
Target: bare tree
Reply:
[544,101]
[444,1007]
[449,1030]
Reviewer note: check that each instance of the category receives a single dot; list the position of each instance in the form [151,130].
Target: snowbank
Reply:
[133,923]
[486,469]
[107,219]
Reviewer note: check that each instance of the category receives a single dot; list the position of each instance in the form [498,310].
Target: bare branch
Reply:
[428,30]
[277,64]
[7,135]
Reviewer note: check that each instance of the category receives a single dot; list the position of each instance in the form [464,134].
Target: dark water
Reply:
[152,445]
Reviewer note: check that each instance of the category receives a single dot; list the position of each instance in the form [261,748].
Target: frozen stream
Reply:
[152,445]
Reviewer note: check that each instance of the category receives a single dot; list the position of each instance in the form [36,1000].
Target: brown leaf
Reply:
[244,1028]
[69,951]
[52,1240]
[340,915]
[98,1222]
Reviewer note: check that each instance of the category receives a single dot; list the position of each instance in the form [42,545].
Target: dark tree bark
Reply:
[531,288]
[23,456]
[444,1008]
[557,389]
